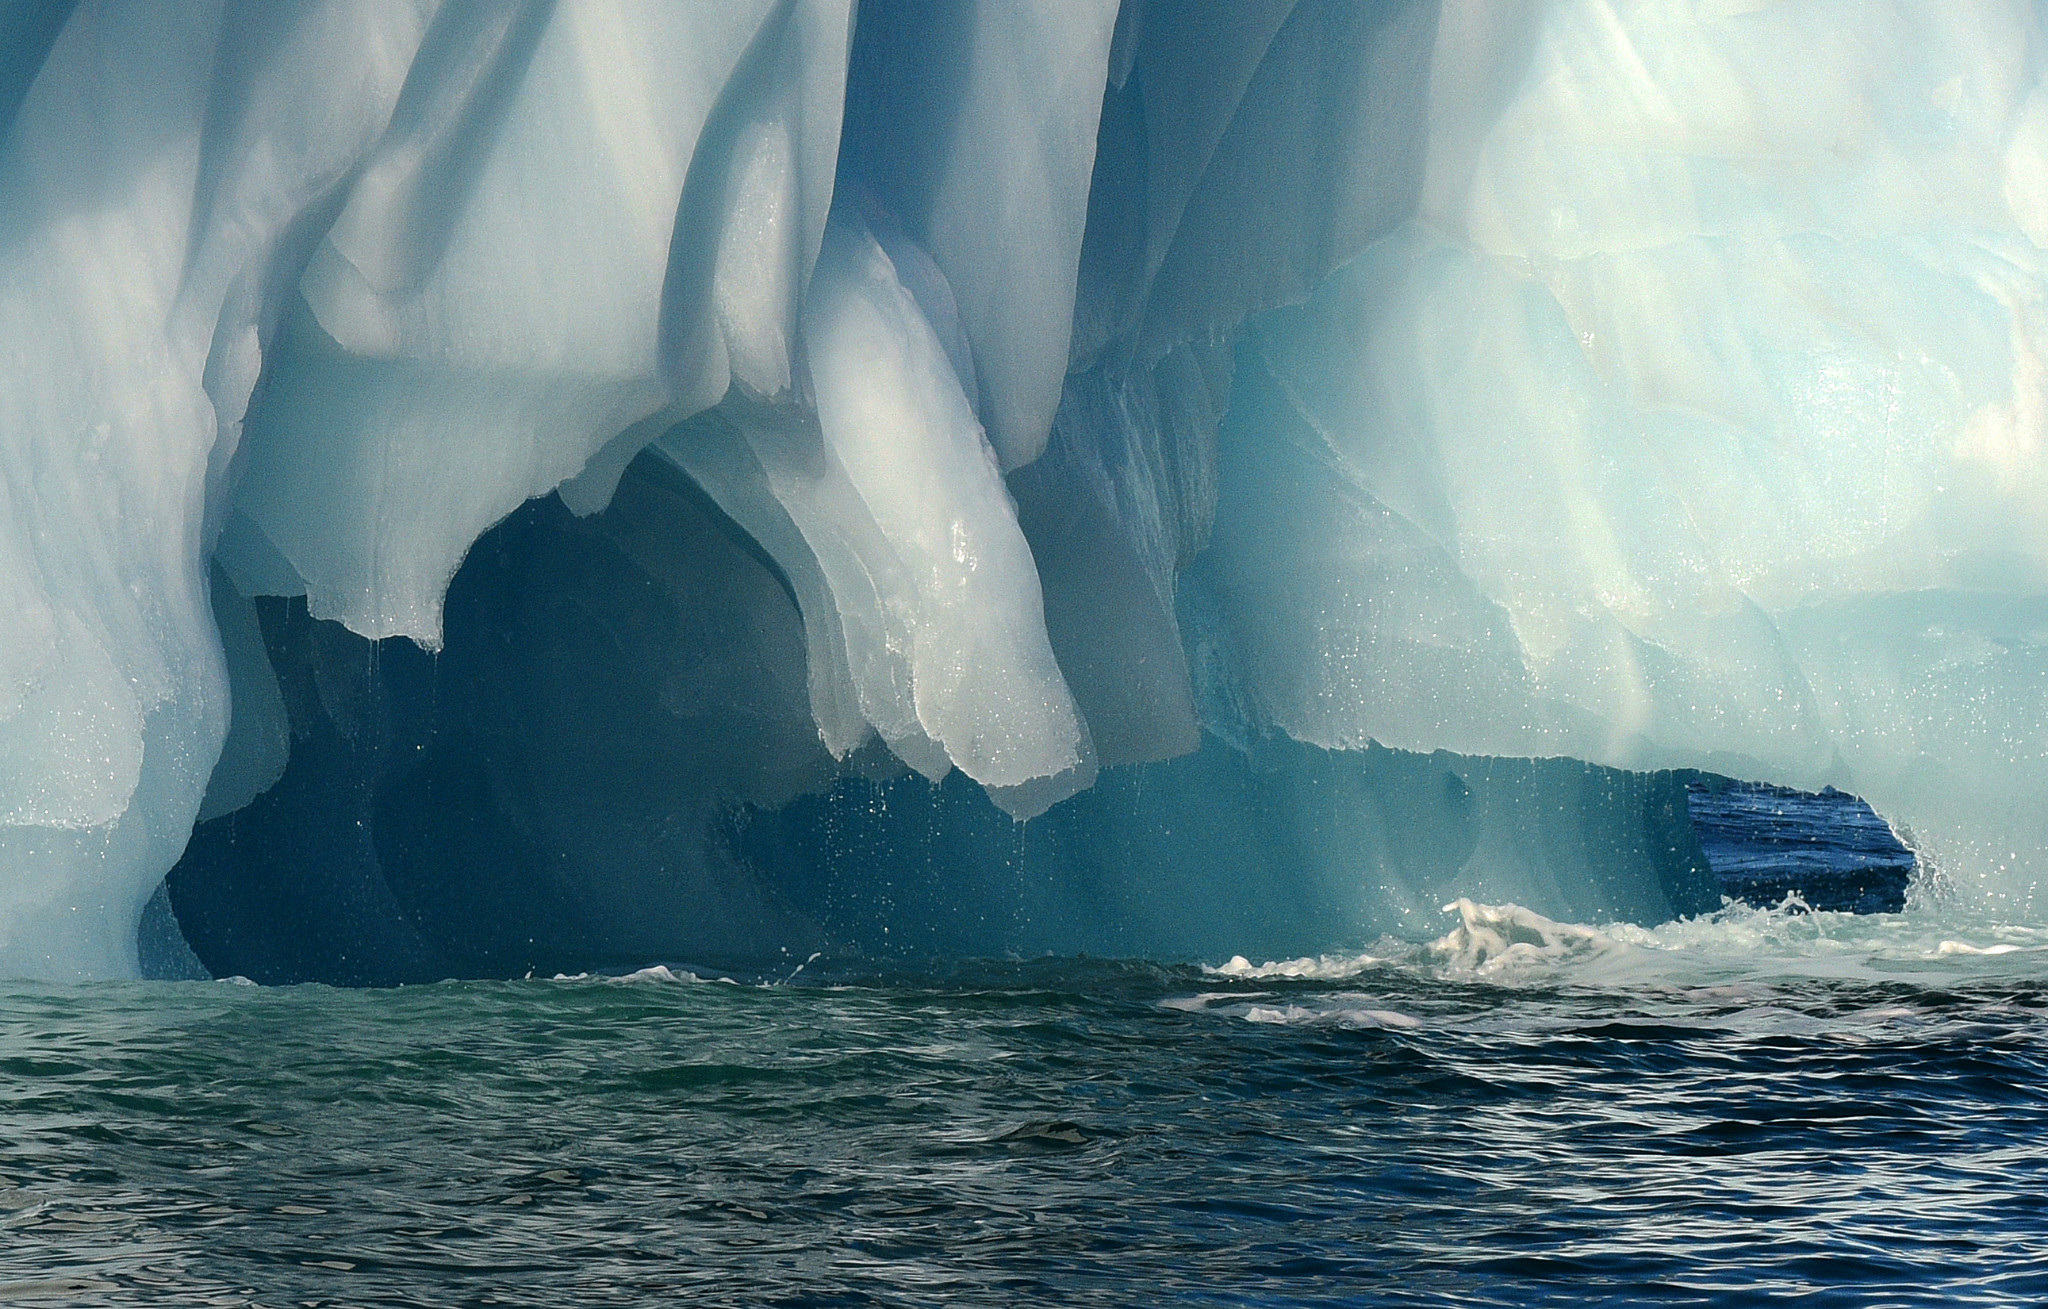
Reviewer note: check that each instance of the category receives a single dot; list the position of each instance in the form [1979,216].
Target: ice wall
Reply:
[471,252]
[1699,417]
[1653,384]
[152,186]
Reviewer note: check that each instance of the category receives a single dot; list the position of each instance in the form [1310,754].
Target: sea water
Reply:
[1757,1106]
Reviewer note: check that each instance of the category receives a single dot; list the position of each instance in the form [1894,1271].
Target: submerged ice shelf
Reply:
[1162,422]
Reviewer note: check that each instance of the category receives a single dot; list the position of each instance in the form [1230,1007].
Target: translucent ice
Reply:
[487,310]
[976,127]
[1701,419]
[155,176]
[902,524]
[1091,384]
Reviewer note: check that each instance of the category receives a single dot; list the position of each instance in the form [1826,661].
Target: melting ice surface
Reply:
[1313,461]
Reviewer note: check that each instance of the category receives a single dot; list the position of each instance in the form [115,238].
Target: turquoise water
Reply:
[1751,1108]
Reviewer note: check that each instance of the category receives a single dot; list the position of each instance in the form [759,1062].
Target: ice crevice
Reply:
[1107,415]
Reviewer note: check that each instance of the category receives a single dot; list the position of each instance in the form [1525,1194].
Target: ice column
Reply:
[887,511]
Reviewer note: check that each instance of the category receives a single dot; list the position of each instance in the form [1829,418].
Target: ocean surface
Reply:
[1758,1107]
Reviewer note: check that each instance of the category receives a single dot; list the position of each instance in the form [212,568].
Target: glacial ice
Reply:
[1697,418]
[154,175]
[974,123]
[483,315]
[1167,420]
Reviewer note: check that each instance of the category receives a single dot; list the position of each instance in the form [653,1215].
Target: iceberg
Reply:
[501,486]
[1697,418]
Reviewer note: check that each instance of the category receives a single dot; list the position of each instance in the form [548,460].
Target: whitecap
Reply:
[1322,968]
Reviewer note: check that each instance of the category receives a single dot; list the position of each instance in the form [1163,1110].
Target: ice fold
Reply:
[753,211]
[147,241]
[975,123]
[884,505]
[499,301]
[900,501]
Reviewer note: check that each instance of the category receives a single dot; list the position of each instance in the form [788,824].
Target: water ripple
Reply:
[1406,1131]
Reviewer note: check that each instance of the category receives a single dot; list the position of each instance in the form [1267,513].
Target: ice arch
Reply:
[1099,385]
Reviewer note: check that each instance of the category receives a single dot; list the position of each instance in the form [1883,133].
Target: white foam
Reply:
[1295,1015]
[1194,1004]
[1963,947]
[660,973]
[1328,968]
[1736,955]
